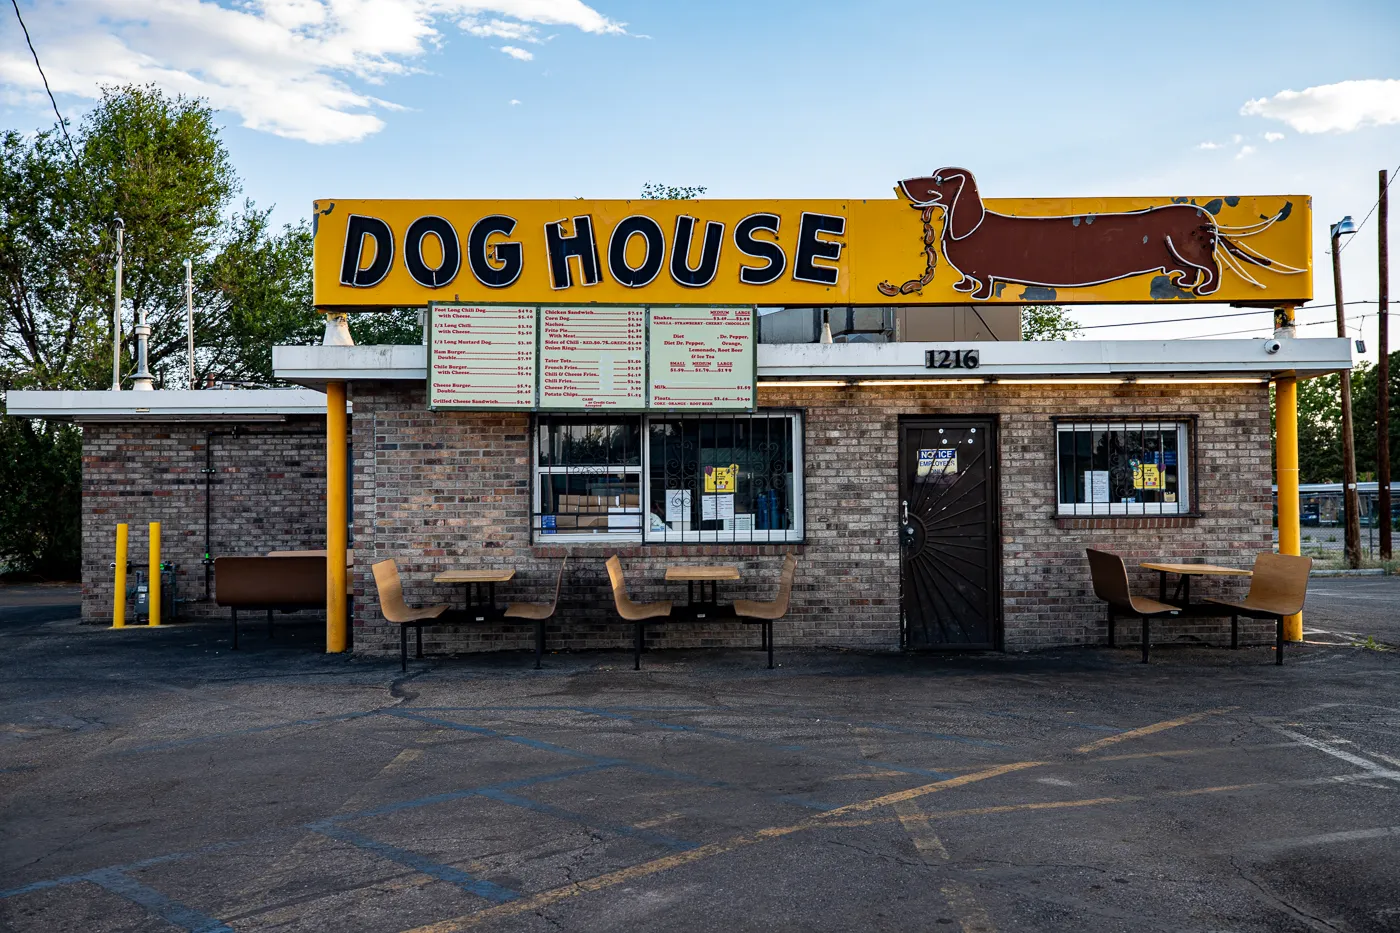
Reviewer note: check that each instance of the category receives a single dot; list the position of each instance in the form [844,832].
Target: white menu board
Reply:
[593,357]
[482,356]
[702,358]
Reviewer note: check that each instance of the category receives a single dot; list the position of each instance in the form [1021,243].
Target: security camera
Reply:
[1272,346]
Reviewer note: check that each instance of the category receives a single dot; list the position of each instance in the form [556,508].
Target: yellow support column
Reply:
[1286,453]
[153,574]
[119,596]
[337,622]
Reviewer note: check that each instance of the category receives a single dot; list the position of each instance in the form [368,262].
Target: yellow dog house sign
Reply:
[939,242]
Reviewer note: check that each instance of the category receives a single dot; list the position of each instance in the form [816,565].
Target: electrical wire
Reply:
[61,124]
[1389,179]
[1212,317]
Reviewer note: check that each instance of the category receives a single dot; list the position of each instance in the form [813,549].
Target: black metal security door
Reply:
[948,519]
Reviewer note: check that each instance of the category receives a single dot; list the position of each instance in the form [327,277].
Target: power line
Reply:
[1342,249]
[1231,333]
[1212,317]
[61,124]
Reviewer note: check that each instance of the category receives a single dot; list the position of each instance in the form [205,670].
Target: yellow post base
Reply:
[1286,454]
[153,574]
[119,594]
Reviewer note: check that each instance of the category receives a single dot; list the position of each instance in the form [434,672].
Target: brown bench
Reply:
[269,583]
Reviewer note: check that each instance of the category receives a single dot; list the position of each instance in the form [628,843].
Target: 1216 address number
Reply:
[951,359]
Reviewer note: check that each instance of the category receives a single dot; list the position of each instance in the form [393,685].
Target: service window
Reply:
[668,479]
[1123,467]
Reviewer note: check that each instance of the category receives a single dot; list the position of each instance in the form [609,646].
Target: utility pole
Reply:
[1351,502]
[1383,375]
[117,316]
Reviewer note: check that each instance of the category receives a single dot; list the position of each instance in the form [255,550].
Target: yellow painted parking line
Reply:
[665,863]
[1207,750]
[916,823]
[1152,729]
[971,916]
[871,775]
[657,821]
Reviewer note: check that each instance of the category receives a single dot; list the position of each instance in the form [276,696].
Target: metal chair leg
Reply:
[637,649]
[269,623]
[1146,638]
[1278,650]
[1235,630]
[419,631]
[539,642]
[403,647]
[233,612]
[1111,620]
[768,632]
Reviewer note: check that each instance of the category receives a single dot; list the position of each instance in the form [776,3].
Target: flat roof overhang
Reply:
[1070,360]
[166,404]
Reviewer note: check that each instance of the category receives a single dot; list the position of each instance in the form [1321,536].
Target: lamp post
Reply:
[1350,501]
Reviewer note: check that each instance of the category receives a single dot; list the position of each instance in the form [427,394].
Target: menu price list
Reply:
[702,358]
[482,357]
[593,357]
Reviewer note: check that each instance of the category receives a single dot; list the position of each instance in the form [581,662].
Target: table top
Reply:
[702,574]
[1211,570]
[475,576]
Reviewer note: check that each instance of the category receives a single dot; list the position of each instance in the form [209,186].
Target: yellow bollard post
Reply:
[1286,453]
[337,505]
[119,594]
[153,575]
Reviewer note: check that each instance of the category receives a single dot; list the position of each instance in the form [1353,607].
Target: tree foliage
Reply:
[40,466]
[655,191]
[1047,322]
[1320,424]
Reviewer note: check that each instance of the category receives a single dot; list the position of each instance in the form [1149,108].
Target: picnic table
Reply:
[475,580]
[692,575]
[1181,597]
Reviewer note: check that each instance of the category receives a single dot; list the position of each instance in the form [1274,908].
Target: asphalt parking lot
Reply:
[152,780]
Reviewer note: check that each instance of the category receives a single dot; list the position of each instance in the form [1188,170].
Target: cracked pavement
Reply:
[154,780]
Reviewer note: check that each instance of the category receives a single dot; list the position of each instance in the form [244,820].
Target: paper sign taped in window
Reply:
[937,461]
[713,508]
[678,505]
[722,478]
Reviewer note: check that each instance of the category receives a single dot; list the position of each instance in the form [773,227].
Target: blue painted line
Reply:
[496,734]
[254,730]
[449,796]
[470,883]
[172,912]
[620,829]
[133,866]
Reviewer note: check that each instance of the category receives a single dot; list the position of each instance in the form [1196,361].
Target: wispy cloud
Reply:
[514,102]
[1245,152]
[1332,108]
[1208,145]
[294,68]
[1272,137]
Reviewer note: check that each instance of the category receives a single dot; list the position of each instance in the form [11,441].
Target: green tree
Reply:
[655,191]
[1365,385]
[40,466]
[1047,322]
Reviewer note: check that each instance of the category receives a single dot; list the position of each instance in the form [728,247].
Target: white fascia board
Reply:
[317,365]
[166,404]
[1067,358]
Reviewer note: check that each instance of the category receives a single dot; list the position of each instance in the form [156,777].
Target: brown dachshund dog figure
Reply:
[987,248]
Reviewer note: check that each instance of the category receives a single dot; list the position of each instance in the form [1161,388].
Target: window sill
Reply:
[1097,522]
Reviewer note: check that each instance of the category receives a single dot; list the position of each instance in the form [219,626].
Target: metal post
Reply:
[117,315]
[1383,374]
[189,316]
[1350,504]
[119,596]
[153,574]
[337,624]
[1286,453]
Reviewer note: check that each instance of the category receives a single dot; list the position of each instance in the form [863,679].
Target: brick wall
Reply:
[437,491]
[268,494]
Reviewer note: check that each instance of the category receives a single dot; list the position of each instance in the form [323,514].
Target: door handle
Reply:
[905,504]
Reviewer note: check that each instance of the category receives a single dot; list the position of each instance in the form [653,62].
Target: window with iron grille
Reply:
[669,478]
[1124,467]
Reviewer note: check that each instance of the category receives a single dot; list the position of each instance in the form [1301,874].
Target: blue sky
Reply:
[558,98]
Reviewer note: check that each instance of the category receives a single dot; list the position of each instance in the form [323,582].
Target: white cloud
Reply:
[294,68]
[514,102]
[1237,138]
[1332,108]
[501,29]
[521,54]
[1245,152]
[1272,137]
[1208,145]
